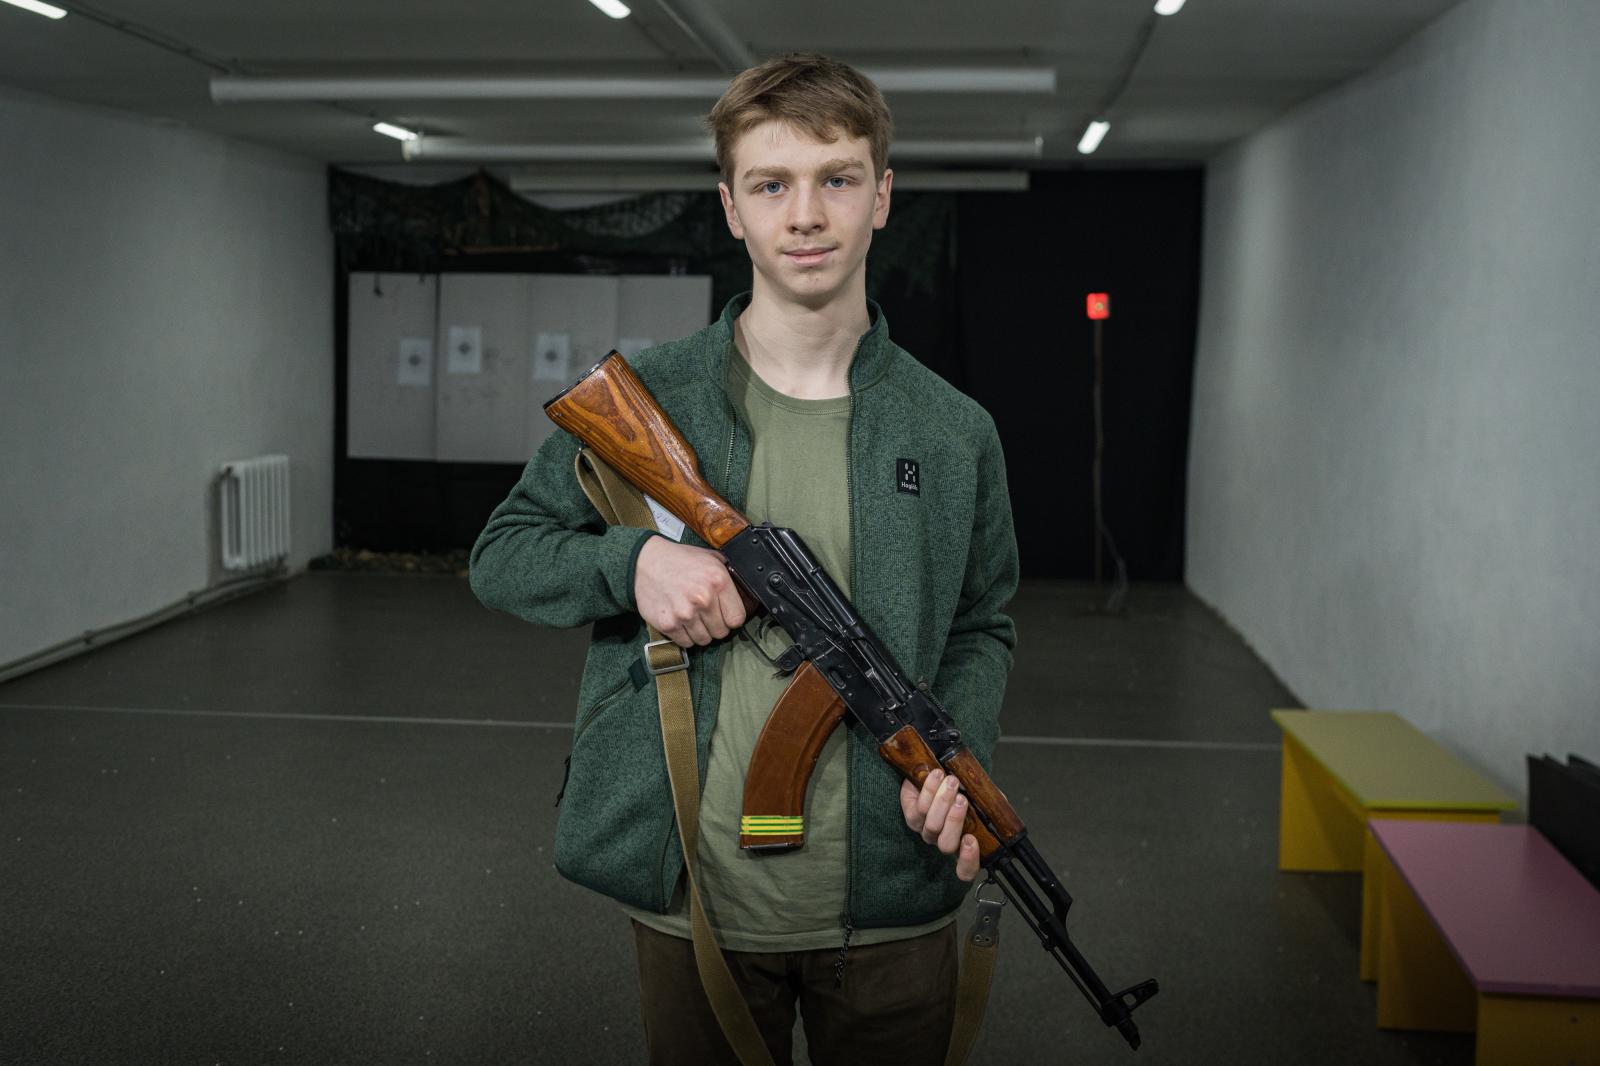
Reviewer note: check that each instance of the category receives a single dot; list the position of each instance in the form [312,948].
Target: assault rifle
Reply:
[837,666]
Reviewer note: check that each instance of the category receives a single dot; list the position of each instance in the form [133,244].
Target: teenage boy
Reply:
[805,414]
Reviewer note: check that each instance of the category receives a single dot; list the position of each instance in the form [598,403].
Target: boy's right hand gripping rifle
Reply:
[837,664]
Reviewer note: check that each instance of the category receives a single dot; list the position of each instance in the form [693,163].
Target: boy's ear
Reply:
[730,211]
[880,208]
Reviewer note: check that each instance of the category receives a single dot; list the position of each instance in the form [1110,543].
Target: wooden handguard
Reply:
[611,411]
[786,753]
[907,752]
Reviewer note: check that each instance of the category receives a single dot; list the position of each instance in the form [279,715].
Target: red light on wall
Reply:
[1099,305]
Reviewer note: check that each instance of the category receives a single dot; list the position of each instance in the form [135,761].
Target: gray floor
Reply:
[314,826]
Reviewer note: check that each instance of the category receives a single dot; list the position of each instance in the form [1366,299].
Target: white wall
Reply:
[165,305]
[1394,484]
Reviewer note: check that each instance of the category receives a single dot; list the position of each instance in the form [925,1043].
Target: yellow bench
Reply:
[1342,768]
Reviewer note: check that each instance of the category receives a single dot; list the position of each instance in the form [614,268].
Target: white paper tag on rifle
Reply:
[666,522]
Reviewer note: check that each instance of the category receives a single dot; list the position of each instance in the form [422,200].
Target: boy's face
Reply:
[806,210]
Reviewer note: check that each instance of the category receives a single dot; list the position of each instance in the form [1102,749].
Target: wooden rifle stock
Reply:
[611,411]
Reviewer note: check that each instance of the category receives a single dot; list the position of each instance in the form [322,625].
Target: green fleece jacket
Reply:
[932,573]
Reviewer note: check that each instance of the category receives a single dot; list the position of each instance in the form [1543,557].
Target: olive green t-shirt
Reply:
[789,900]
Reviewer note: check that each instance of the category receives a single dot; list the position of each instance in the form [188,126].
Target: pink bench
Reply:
[1488,927]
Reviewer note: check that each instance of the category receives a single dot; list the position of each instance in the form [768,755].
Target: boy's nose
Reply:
[805,212]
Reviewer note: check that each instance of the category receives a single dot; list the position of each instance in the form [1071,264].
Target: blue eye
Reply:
[843,181]
[772,187]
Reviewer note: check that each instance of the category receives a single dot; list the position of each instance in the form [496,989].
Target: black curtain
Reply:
[1026,264]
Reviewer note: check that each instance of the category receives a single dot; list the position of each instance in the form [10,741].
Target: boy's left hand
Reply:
[937,811]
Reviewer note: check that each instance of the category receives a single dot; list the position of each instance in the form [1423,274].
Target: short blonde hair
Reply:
[821,96]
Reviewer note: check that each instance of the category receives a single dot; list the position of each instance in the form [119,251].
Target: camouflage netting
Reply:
[383,225]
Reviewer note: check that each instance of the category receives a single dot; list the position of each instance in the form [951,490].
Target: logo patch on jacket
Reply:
[907,477]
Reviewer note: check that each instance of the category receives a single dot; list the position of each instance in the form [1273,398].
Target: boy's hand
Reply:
[686,592]
[937,811]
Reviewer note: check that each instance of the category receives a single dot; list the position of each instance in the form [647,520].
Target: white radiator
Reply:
[254,499]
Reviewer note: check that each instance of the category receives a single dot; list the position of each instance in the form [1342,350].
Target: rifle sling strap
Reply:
[619,503]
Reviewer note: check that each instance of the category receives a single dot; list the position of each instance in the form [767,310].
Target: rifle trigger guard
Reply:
[786,663]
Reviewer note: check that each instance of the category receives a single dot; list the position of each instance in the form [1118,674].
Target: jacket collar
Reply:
[871,358]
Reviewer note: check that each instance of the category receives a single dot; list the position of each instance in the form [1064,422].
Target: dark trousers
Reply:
[895,1005]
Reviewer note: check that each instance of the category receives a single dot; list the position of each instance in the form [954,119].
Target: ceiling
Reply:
[1193,82]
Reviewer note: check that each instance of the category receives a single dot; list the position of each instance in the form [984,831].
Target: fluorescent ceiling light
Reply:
[615,8]
[244,89]
[1093,136]
[49,11]
[468,150]
[399,133]
[1168,7]
[230,89]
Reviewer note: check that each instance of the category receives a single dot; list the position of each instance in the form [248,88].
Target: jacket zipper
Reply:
[846,919]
